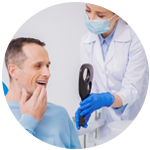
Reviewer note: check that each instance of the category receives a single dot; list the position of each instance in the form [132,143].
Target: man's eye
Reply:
[38,66]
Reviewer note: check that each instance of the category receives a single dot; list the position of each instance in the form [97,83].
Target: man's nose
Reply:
[46,72]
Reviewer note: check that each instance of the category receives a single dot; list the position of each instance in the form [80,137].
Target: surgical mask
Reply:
[97,26]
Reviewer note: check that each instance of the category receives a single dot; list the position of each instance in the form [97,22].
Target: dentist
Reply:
[120,67]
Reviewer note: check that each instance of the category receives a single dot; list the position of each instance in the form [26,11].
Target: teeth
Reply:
[41,82]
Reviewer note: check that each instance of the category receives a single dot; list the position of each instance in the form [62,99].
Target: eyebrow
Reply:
[40,62]
[97,11]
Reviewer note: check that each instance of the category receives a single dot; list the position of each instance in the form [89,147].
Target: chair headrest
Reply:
[5,89]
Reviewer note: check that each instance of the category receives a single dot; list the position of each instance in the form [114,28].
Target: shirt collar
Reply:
[107,39]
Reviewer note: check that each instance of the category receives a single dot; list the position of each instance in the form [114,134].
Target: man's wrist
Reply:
[28,122]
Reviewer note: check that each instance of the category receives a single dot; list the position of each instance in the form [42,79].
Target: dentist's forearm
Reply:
[118,102]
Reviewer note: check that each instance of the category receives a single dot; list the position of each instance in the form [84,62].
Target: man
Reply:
[28,65]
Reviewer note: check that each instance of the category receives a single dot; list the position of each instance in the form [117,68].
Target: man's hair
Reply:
[14,53]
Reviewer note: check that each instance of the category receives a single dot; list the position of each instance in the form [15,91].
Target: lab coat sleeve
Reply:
[26,126]
[135,70]
[85,57]
[84,53]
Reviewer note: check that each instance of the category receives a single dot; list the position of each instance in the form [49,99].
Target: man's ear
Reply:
[13,69]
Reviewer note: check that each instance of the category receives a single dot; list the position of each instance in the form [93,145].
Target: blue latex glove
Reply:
[77,116]
[93,102]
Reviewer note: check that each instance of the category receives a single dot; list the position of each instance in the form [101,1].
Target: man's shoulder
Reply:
[54,105]
[56,108]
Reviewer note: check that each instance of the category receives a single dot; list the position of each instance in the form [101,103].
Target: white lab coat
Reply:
[124,72]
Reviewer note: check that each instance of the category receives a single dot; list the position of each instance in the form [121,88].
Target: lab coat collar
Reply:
[122,33]
[107,39]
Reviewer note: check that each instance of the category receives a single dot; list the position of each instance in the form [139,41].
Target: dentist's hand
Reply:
[36,105]
[93,102]
[77,116]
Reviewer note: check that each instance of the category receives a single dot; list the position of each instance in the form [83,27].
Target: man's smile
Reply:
[42,82]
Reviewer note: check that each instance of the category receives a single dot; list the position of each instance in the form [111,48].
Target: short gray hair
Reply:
[14,53]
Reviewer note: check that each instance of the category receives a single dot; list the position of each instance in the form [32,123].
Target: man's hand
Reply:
[36,105]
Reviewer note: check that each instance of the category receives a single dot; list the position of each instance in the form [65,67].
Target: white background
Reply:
[60,25]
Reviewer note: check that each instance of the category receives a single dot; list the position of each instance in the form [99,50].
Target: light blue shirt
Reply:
[105,43]
[54,128]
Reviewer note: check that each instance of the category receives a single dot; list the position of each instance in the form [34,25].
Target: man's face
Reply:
[35,69]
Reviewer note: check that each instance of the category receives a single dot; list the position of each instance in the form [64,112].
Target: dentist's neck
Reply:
[107,33]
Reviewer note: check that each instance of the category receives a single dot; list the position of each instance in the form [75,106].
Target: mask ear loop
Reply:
[113,21]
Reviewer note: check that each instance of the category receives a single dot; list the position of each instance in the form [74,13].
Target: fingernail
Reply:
[23,90]
[77,126]
[85,126]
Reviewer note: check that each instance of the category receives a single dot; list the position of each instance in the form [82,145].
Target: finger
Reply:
[45,100]
[37,92]
[42,96]
[85,101]
[77,115]
[85,125]
[85,106]
[86,111]
[23,96]
[77,125]
[87,117]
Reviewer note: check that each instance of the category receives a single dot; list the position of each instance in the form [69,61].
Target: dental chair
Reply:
[4,92]
[5,89]
[92,130]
